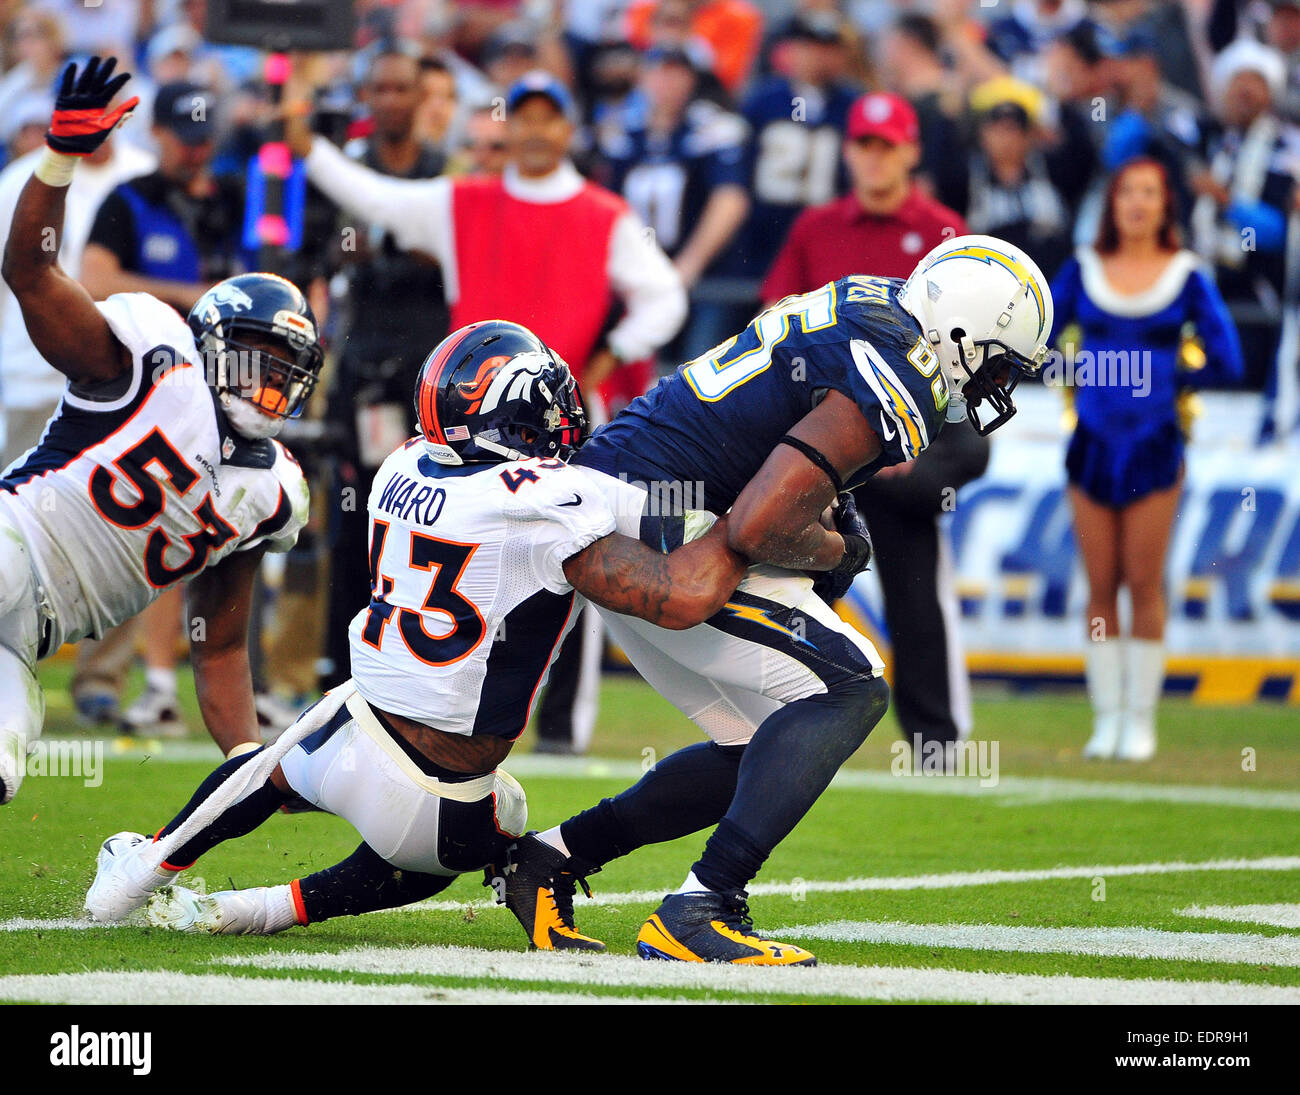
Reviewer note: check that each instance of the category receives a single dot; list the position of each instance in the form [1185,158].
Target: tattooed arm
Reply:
[675,591]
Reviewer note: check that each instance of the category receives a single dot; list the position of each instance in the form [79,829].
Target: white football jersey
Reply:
[469,602]
[140,482]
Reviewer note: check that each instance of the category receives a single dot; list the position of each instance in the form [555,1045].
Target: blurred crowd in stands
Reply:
[730,127]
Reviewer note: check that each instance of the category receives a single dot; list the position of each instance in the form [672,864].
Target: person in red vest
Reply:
[540,246]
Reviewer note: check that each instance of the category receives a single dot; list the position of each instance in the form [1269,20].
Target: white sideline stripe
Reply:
[1030,939]
[892,883]
[110,987]
[856,982]
[1282,916]
[57,924]
[1009,791]
[955,880]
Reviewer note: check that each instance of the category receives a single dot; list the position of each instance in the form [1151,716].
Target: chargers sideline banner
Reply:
[1232,576]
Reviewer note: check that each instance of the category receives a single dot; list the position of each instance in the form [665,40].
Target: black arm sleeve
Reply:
[114,229]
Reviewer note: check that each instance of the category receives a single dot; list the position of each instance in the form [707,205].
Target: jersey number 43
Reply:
[447,560]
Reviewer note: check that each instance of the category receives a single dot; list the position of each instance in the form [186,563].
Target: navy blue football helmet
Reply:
[493,391]
[258,338]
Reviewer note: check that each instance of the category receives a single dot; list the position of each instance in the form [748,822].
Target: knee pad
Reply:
[866,700]
[473,834]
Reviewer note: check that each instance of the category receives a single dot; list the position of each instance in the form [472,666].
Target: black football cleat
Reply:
[712,927]
[537,885]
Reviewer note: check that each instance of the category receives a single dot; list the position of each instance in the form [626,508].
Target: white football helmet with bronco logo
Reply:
[986,309]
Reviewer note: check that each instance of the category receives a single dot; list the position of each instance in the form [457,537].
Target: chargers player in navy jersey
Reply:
[159,465]
[770,427]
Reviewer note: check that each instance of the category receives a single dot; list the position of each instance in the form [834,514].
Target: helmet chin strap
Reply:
[247,420]
[500,450]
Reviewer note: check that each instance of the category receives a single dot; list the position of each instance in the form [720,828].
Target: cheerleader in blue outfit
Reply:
[1133,295]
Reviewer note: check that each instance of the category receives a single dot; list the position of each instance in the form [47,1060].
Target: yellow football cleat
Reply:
[538,885]
[712,927]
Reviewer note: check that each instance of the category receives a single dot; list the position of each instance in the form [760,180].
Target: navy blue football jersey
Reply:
[706,430]
[669,178]
[794,160]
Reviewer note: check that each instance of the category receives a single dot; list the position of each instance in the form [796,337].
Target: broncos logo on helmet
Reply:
[259,341]
[493,391]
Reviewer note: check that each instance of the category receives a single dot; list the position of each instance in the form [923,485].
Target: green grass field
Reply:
[1173,881]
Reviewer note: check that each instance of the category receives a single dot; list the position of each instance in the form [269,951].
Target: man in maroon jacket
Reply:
[883,225]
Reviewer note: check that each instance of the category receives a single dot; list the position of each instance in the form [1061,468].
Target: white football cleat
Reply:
[124,878]
[227,912]
[274,715]
[155,713]
[1138,741]
[1105,737]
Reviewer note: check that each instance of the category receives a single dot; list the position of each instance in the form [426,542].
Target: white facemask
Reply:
[247,420]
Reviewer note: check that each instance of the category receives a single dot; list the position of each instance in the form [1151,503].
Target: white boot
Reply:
[1146,677]
[124,878]
[261,910]
[1104,670]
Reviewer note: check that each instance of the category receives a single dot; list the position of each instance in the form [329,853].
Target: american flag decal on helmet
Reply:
[456,433]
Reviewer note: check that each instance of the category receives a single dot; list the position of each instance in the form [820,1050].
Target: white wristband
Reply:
[56,168]
[242,748]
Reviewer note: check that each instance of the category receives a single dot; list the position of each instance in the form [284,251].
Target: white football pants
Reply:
[773,643]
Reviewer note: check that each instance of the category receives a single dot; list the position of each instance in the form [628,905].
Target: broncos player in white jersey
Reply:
[158,466]
[482,539]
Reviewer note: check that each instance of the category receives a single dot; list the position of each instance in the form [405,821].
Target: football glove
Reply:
[79,124]
[831,585]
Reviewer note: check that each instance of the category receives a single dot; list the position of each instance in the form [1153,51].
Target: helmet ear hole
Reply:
[956,334]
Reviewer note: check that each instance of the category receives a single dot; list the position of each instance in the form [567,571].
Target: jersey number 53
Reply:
[133,466]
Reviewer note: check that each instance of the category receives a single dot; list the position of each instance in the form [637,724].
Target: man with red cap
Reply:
[882,227]
[884,224]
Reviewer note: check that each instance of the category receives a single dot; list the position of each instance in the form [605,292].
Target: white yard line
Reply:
[1009,791]
[892,883]
[1251,949]
[855,982]
[1282,916]
[953,880]
[110,987]
[56,924]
